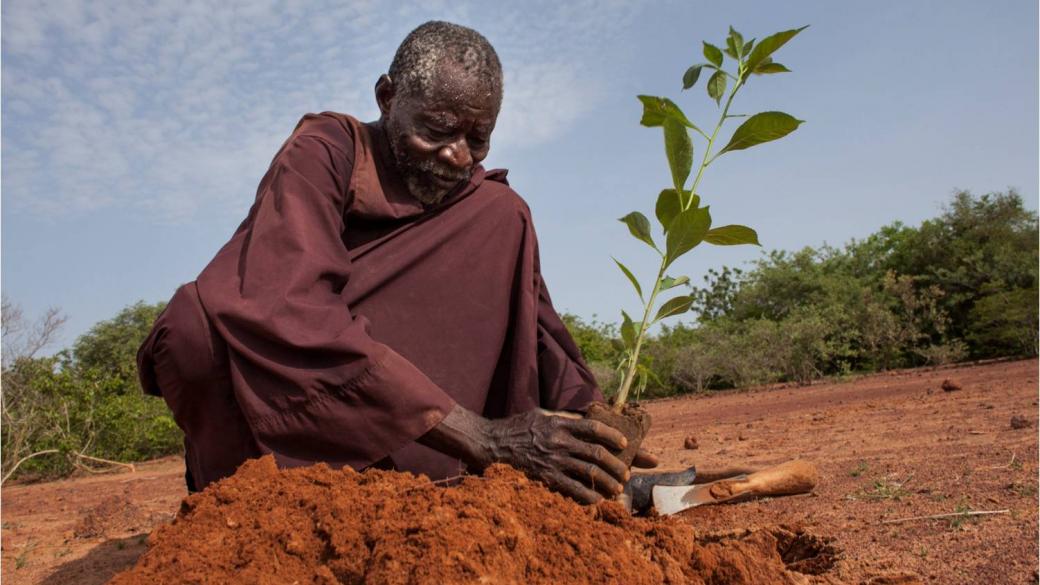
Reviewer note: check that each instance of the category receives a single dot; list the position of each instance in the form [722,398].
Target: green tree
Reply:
[110,347]
[979,246]
[1005,323]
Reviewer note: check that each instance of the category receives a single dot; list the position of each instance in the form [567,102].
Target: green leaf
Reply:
[668,206]
[679,148]
[747,47]
[685,232]
[717,86]
[767,68]
[641,384]
[690,77]
[763,127]
[676,306]
[669,282]
[617,344]
[639,226]
[769,45]
[653,376]
[628,330]
[657,109]
[631,277]
[713,54]
[735,41]
[732,235]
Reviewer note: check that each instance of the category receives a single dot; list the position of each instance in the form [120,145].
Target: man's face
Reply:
[438,138]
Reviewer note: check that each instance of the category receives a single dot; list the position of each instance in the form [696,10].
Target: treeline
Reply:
[960,286]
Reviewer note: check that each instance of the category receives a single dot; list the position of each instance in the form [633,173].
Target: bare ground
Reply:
[888,447]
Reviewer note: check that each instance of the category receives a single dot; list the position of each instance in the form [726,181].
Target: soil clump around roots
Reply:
[318,525]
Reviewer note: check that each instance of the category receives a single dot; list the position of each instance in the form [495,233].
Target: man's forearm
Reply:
[463,434]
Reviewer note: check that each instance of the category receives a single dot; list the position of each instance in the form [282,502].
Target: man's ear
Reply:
[384,94]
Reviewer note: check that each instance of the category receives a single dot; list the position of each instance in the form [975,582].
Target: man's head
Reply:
[438,105]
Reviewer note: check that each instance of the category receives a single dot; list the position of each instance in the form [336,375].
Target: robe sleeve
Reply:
[311,382]
[565,381]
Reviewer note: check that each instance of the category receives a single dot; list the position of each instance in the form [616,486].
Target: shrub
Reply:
[81,406]
[1005,323]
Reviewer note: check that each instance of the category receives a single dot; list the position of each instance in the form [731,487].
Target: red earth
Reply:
[889,447]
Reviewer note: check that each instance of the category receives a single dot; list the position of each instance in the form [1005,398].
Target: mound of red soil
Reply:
[319,525]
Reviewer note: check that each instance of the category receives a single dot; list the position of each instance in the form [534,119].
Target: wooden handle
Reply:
[793,477]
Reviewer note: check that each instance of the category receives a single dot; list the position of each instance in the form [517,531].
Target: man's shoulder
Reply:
[502,196]
[331,127]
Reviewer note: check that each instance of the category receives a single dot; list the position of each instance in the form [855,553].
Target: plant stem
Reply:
[707,150]
[644,326]
[633,364]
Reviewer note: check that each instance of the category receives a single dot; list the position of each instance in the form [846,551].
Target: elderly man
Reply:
[382,304]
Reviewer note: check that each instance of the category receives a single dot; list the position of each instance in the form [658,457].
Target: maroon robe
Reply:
[343,319]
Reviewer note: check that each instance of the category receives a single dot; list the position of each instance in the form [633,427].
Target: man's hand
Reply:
[568,453]
[645,459]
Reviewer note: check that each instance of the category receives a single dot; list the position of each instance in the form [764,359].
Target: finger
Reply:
[561,413]
[645,459]
[594,431]
[602,458]
[592,476]
[571,488]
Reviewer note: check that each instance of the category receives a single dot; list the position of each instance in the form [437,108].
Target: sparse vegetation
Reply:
[860,468]
[883,489]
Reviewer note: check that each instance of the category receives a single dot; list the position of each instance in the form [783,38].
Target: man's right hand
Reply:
[568,454]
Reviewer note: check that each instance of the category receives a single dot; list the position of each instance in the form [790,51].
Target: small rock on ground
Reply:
[1020,422]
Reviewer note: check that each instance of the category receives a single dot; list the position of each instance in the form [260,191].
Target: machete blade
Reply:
[670,500]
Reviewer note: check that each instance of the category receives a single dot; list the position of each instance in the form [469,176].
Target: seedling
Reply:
[684,221]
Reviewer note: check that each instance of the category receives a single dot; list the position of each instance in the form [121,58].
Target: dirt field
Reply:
[889,447]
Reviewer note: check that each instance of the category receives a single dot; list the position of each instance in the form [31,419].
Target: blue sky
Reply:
[134,134]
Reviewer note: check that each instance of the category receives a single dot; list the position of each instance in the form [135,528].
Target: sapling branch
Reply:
[685,223]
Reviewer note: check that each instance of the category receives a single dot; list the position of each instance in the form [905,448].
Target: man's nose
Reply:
[456,154]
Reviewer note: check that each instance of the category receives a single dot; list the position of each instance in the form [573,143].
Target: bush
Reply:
[594,339]
[81,406]
[1005,323]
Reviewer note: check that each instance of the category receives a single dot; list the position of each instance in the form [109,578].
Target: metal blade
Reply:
[670,500]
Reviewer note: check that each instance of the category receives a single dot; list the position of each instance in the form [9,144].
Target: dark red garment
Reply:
[343,320]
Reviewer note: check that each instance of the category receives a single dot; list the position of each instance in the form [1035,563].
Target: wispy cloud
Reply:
[175,108]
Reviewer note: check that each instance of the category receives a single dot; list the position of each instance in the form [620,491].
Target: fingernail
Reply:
[624,442]
[628,475]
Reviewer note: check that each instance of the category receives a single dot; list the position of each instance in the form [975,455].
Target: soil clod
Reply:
[690,443]
[1020,422]
[950,386]
[633,422]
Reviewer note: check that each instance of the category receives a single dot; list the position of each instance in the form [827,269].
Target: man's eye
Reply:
[437,133]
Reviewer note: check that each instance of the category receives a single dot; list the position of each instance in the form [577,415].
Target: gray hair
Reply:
[416,60]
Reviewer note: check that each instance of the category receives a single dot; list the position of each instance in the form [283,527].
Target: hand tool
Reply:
[793,477]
